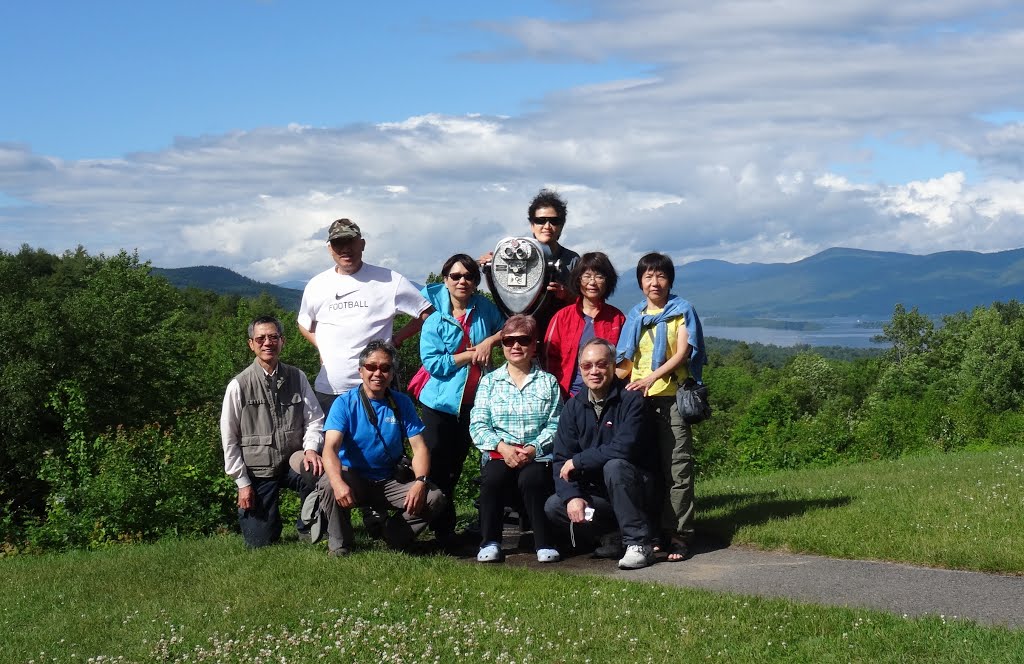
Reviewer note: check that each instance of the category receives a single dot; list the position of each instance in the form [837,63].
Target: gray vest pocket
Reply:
[259,455]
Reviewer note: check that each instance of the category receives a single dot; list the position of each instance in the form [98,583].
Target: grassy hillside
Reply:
[213,601]
[959,510]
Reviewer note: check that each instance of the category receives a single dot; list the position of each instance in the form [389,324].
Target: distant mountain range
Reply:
[227,282]
[835,282]
[845,282]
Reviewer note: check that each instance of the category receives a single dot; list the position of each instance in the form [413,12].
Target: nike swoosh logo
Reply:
[341,296]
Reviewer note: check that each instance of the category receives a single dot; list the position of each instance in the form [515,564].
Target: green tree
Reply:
[909,332]
[96,327]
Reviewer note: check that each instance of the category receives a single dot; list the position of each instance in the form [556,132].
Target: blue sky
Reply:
[233,132]
[103,79]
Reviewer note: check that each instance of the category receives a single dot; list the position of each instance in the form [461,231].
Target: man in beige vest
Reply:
[271,429]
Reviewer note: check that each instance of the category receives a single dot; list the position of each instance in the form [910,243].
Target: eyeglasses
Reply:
[459,276]
[590,276]
[600,364]
[272,338]
[521,339]
[373,366]
[554,221]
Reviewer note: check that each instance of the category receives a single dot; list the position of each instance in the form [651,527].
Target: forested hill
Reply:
[226,282]
[849,282]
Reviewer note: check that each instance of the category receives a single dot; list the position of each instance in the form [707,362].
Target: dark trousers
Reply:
[261,524]
[326,401]
[622,500]
[447,437]
[532,483]
[385,496]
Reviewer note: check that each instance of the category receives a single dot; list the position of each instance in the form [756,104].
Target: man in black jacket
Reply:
[601,483]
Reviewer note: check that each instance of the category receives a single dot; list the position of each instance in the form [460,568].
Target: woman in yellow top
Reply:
[662,344]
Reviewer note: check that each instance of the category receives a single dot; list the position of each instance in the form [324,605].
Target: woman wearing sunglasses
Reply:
[455,346]
[593,280]
[547,214]
[513,423]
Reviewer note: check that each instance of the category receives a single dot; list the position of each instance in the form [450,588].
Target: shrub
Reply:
[136,484]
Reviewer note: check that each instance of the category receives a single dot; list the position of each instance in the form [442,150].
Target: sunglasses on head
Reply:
[554,221]
[373,366]
[600,364]
[513,339]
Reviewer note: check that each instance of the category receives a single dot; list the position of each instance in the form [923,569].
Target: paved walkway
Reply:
[989,599]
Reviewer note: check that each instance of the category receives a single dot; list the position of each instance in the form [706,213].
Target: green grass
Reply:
[211,600]
[961,511]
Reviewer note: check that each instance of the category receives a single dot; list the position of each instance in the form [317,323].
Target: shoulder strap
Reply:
[371,415]
[398,416]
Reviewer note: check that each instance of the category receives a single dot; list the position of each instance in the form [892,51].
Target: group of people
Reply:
[578,429]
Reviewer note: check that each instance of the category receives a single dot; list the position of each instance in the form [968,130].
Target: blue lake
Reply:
[836,331]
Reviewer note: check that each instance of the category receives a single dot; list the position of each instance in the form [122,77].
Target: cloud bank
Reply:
[727,148]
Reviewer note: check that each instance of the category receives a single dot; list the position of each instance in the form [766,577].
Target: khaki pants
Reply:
[675,450]
[387,497]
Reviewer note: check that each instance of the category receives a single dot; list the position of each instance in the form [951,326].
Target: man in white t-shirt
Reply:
[345,307]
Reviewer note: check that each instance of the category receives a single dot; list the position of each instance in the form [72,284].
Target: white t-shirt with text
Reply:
[350,310]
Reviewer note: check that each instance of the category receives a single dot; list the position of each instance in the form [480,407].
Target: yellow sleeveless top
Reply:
[665,386]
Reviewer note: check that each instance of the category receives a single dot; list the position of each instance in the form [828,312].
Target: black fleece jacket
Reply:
[620,434]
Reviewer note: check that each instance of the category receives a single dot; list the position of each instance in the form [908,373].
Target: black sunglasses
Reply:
[554,221]
[521,339]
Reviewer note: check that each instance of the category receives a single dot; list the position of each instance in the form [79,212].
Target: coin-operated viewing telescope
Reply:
[519,275]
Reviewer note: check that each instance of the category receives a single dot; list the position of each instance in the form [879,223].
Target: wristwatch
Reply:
[422,478]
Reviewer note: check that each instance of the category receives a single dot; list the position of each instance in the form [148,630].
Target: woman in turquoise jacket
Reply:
[455,347]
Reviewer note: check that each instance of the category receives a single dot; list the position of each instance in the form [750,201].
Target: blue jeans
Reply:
[261,524]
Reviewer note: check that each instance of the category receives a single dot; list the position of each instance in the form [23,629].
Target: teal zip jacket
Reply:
[440,338]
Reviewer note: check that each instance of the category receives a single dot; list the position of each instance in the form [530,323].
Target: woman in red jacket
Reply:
[593,280]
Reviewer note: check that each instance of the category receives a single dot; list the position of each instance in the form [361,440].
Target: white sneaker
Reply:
[637,557]
[489,553]
[548,556]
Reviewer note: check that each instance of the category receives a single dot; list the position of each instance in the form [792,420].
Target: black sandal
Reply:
[676,550]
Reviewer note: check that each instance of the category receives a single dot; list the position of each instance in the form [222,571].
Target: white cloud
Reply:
[722,151]
[932,201]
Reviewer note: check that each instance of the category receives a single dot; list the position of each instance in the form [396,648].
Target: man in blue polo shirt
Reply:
[363,449]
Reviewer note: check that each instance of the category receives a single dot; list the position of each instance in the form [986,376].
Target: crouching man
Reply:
[601,487]
[271,429]
[363,450]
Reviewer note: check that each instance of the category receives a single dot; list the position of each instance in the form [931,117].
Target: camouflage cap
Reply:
[343,229]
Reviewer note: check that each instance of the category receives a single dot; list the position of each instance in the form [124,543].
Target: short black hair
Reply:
[594,261]
[655,262]
[263,320]
[472,267]
[547,198]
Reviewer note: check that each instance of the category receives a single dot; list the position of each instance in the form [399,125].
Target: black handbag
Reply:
[692,401]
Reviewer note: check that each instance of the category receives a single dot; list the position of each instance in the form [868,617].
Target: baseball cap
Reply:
[343,229]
